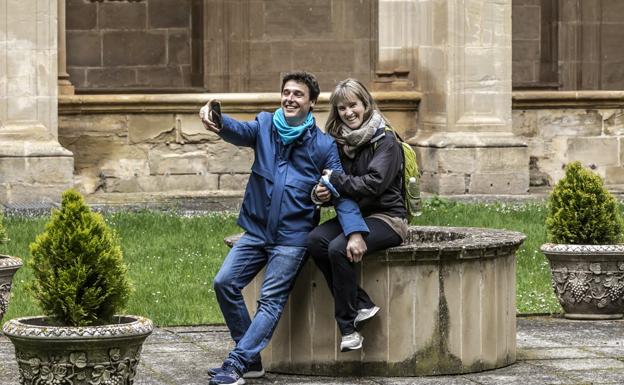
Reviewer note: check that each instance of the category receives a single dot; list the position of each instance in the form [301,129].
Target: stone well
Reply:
[448,305]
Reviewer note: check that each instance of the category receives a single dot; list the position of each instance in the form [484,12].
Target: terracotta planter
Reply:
[8,267]
[588,279]
[61,355]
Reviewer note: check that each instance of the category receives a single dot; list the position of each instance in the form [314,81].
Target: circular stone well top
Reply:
[429,243]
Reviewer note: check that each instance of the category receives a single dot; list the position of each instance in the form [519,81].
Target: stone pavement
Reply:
[550,351]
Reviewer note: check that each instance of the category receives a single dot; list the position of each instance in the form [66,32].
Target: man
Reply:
[277,214]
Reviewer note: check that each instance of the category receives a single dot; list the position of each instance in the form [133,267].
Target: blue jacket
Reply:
[277,206]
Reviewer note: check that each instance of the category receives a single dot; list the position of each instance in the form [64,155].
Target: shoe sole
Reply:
[254,374]
[349,349]
[239,382]
[251,374]
[359,325]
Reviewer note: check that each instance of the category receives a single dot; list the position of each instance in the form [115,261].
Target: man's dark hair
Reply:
[306,78]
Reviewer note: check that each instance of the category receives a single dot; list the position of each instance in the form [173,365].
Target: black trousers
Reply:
[328,247]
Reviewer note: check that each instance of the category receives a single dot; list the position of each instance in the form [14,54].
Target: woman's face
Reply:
[351,112]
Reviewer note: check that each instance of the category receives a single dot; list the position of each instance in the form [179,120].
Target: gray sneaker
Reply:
[351,341]
[364,315]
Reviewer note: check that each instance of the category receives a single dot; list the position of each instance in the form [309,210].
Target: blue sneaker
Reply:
[255,370]
[227,375]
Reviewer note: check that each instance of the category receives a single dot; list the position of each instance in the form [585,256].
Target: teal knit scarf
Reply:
[287,133]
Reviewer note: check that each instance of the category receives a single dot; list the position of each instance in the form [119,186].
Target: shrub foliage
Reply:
[80,276]
[582,211]
[3,233]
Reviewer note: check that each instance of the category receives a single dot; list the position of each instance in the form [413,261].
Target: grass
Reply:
[173,259]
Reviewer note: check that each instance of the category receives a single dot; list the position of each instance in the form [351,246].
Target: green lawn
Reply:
[172,259]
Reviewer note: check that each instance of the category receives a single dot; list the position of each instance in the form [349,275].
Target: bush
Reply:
[582,211]
[80,277]
[3,233]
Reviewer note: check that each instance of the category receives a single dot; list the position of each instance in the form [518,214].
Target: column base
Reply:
[456,163]
[34,167]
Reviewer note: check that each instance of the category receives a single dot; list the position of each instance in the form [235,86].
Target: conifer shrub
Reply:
[581,210]
[80,276]
[3,233]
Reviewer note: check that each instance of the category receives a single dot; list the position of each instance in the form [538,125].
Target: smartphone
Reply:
[215,112]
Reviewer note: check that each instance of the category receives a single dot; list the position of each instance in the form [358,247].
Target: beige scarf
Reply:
[352,140]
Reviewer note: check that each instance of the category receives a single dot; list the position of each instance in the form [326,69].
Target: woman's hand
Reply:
[356,247]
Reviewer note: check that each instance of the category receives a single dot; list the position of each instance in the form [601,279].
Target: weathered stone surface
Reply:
[568,122]
[488,159]
[124,15]
[147,47]
[233,181]
[111,77]
[36,170]
[224,157]
[80,15]
[93,125]
[598,151]
[161,77]
[155,183]
[169,14]
[28,193]
[179,48]
[614,175]
[107,153]
[84,48]
[499,183]
[524,123]
[162,161]
[150,128]
[613,122]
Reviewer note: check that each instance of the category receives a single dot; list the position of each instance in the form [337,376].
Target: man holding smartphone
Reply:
[290,153]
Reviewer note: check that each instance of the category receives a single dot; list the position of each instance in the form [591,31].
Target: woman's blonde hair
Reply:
[348,90]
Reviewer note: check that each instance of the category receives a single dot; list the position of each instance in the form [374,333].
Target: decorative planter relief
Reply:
[8,267]
[90,355]
[588,279]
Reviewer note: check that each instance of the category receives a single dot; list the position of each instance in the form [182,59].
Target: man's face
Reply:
[296,102]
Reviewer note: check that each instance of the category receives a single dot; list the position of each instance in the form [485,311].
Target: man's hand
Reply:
[204,115]
[322,193]
[356,247]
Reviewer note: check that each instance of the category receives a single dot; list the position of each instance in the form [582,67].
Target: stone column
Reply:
[34,167]
[397,60]
[465,141]
[64,84]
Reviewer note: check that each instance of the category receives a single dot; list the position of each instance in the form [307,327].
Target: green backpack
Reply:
[411,194]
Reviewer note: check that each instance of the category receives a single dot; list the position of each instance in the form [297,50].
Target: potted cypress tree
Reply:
[584,226]
[81,283]
[8,267]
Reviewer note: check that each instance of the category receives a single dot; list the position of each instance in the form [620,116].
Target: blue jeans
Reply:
[248,256]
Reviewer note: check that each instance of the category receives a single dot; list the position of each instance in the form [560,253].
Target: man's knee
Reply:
[223,283]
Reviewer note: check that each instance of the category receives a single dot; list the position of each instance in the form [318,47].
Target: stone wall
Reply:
[250,44]
[127,45]
[561,127]
[157,144]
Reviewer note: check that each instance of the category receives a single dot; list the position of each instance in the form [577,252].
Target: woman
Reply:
[372,161]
